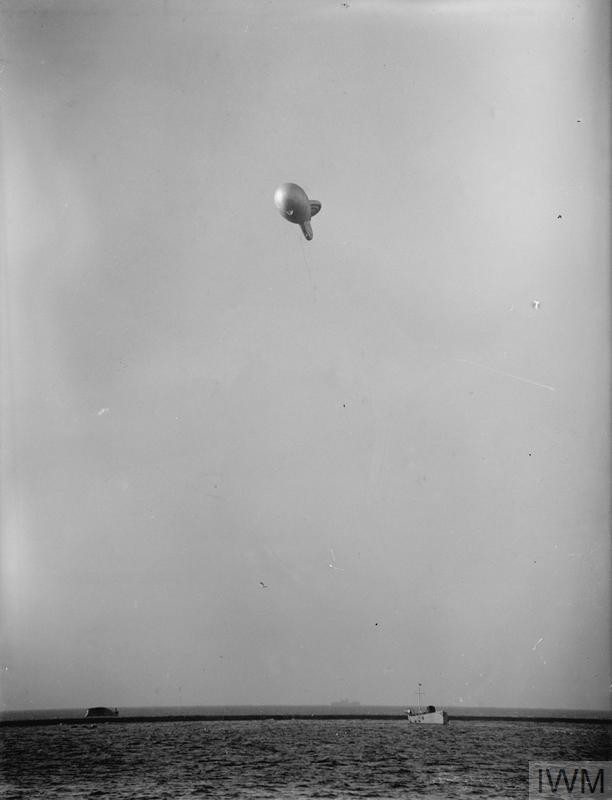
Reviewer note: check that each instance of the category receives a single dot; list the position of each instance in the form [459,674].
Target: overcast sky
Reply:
[400,428]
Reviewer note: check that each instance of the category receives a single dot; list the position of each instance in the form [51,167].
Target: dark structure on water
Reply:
[101,711]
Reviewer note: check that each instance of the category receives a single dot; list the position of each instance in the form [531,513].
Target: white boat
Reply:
[429,715]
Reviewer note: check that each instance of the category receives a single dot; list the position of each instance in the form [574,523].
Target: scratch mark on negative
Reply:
[506,374]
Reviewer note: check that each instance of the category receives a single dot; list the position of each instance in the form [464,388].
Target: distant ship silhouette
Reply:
[101,711]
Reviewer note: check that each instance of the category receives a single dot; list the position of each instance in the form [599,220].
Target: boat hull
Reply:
[429,718]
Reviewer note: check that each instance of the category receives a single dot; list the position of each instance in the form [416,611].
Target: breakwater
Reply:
[89,721]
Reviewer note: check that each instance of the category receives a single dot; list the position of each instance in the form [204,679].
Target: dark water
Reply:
[287,759]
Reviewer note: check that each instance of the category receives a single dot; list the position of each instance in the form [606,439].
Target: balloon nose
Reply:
[280,198]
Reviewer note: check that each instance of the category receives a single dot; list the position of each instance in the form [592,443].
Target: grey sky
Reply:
[196,400]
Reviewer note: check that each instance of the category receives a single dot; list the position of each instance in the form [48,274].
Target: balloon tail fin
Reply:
[315,207]
[306,230]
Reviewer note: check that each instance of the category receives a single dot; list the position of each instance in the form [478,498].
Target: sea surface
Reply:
[290,758]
